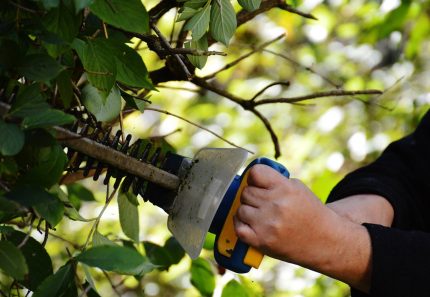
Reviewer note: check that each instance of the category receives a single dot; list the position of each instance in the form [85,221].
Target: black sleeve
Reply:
[401,254]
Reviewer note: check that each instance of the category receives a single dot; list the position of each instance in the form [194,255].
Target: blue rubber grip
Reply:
[235,261]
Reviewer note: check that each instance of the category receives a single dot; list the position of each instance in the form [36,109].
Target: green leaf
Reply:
[250,5]
[158,255]
[29,102]
[47,118]
[81,4]
[129,15]
[186,13]
[9,210]
[69,210]
[234,289]
[65,87]
[58,284]
[47,164]
[39,67]
[99,239]
[12,261]
[202,276]
[5,230]
[128,214]
[174,249]
[48,4]
[201,44]
[195,4]
[13,139]
[130,67]
[98,58]
[103,109]
[62,22]
[119,259]
[223,21]
[78,193]
[134,102]
[46,205]
[38,261]
[199,23]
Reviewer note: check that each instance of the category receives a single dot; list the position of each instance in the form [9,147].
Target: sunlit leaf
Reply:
[186,13]
[12,261]
[234,289]
[199,23]
[103,109]
[128,215]
[250,5]
[202,276]
[223,21]
[202,45]
[99,239]
[129,15]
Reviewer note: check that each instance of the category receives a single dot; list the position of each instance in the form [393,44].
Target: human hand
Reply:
[280,216]
[283,219]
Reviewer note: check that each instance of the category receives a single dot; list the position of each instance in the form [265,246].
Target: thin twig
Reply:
[27,236]
[179,88]
[111,283]
[177,57]
[198,126]
[166,135]
[297,64]
[235,62]
[195,52]
[333,93]
[276,83]
[96,223]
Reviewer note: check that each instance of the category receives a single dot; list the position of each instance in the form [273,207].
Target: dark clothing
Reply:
[401,254]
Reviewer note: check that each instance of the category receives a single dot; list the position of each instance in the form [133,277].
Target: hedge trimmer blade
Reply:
[200,194]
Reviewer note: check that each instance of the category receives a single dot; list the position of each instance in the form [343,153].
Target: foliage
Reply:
[223,64]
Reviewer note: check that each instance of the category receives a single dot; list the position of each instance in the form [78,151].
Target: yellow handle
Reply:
[227,238]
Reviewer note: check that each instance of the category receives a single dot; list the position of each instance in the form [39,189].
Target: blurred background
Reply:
[352,45]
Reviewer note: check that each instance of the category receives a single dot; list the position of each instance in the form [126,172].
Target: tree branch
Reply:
[166,45]
[333,93]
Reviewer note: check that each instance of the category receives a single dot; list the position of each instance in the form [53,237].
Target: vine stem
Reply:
[198,126]
[109,198]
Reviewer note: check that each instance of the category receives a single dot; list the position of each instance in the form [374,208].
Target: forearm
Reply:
[341,250]
[364,208]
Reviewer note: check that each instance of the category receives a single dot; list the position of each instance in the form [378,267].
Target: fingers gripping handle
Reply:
[230,252]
